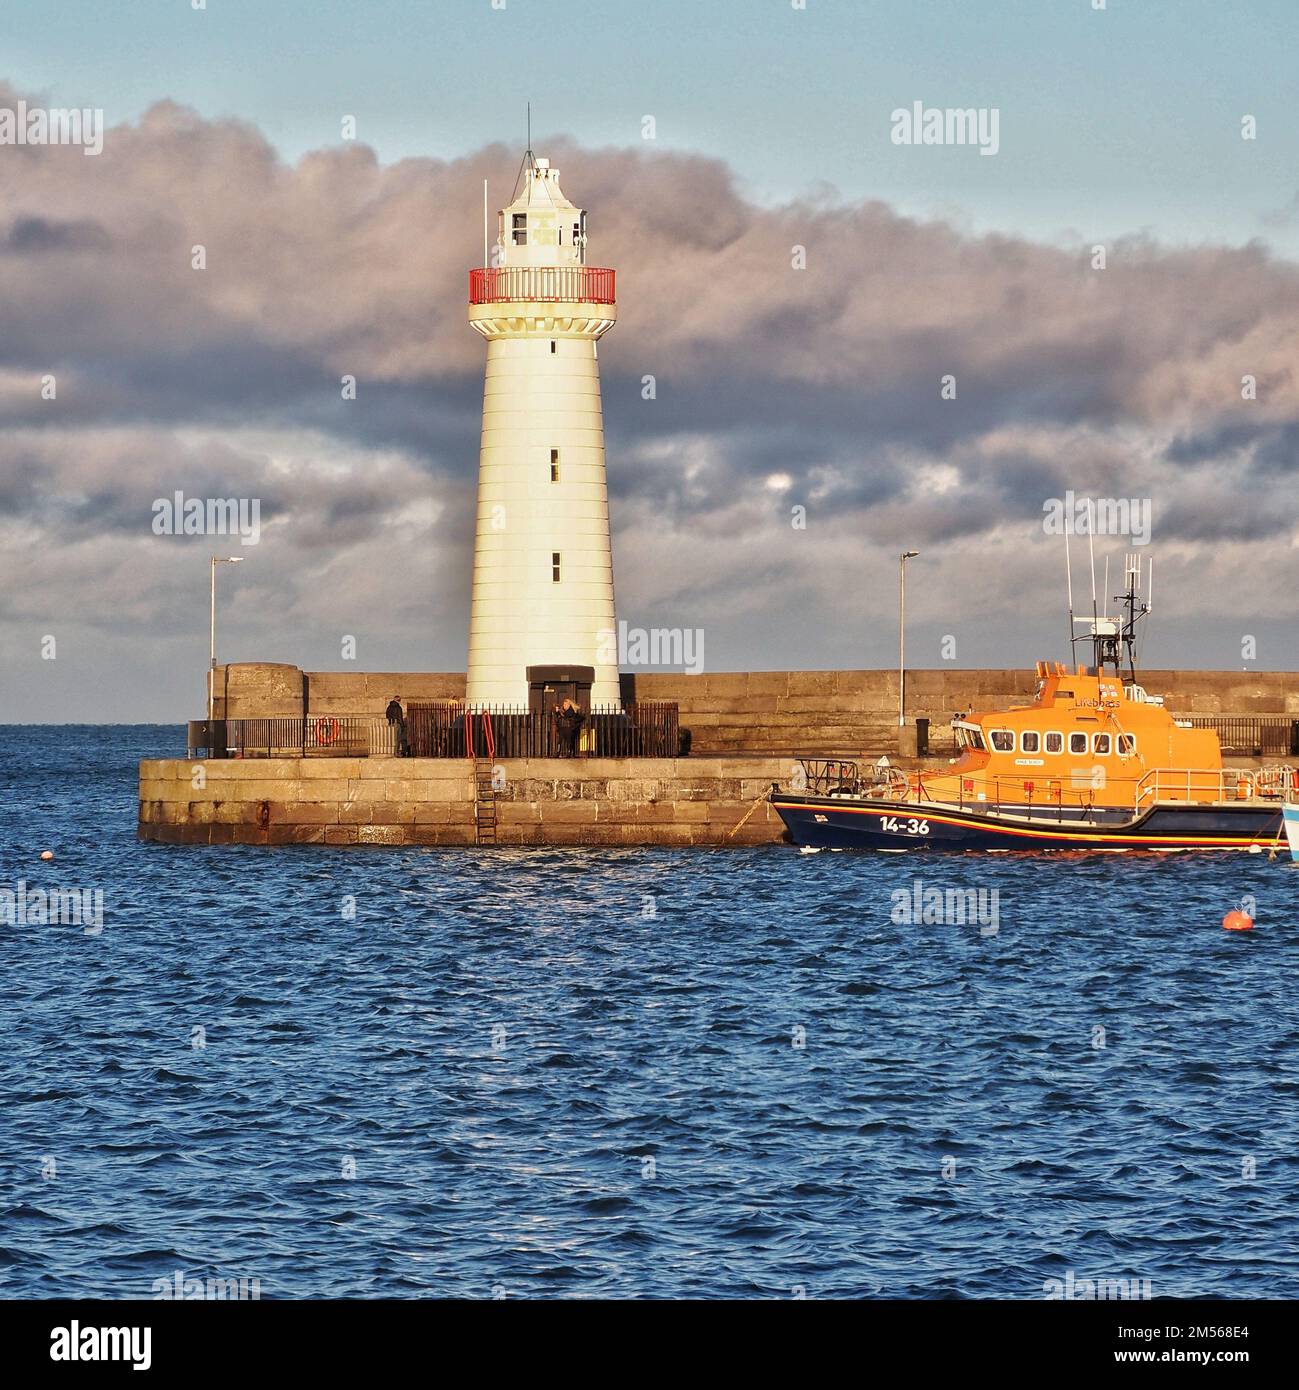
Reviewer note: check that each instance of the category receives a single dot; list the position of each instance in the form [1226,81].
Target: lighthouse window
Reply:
[554,465]
[1029,741]
[554,567]
[1127,745]
[1053,743]
[1100,744]
[1003,740]
[1077,743]
[520,229]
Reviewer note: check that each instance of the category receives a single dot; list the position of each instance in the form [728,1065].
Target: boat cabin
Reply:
[1087,739]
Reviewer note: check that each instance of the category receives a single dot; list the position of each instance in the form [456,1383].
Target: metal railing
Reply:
[821,776]
[449,729]
[1195,784]
[1250,735]
[558,284]
[318,736]
[440,729]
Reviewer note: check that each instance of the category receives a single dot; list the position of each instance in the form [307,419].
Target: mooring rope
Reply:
[757,802]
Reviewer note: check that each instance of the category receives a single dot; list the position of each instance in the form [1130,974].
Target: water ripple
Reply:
[629,1073]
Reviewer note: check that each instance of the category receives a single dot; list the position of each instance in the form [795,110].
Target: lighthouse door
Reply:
[549,686]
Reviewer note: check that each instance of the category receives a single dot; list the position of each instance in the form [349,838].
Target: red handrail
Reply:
[568,284]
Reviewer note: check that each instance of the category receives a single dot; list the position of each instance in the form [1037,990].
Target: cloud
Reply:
[227,381]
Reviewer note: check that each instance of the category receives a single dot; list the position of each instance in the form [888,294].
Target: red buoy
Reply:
[1236,920]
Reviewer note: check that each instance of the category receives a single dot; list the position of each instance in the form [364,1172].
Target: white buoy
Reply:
[47,854]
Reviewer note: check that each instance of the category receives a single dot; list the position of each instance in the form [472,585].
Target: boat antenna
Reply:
[1068,572]
[1150,586]
[1091,551]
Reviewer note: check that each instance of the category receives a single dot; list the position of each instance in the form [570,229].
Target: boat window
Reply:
[1077,743]
[1029,741]
[1100,744]
[1053,743]
[968,738]
[1003,740]
[1127,745]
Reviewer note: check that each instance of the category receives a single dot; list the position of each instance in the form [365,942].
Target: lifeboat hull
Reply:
[840,822]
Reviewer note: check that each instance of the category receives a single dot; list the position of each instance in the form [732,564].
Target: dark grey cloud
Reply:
[776,388]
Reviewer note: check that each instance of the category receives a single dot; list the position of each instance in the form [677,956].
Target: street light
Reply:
[902,633]
[211,642]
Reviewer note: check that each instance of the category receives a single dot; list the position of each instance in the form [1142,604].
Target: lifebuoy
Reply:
[326,730]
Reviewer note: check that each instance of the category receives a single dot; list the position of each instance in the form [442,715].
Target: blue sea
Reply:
[630,1073]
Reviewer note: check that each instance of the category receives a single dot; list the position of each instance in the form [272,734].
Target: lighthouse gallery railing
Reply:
[559,284]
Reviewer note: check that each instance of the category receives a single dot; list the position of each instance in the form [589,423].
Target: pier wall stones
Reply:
[430,801]
[766,712]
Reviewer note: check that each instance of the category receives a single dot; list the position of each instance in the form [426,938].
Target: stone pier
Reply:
[746,729]
[430,801]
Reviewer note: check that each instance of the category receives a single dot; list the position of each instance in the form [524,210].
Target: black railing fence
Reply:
[1251,735]
[446,729]
[323,736]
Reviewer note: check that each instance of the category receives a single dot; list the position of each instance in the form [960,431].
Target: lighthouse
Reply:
[542,622]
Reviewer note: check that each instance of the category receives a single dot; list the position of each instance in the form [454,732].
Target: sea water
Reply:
[365,1072]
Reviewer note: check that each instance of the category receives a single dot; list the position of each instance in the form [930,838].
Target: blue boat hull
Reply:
[831,822]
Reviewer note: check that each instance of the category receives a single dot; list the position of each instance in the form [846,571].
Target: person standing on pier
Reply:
[570,720]
[397,722]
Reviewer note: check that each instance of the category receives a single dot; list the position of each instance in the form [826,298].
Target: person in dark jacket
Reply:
[396,717]
[570,720]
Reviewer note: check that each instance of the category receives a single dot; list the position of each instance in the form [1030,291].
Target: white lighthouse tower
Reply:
[542,614]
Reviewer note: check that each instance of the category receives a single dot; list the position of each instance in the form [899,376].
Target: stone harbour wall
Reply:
[430,801]
[853,713]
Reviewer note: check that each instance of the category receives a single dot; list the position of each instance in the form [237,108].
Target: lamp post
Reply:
[902,634]
[211,641]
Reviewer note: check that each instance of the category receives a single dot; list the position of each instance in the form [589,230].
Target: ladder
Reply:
[484,803]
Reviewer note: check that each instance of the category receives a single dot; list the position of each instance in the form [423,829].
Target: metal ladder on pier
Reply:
[484,803]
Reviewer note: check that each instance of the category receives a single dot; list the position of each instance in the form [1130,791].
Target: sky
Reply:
[777,388]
